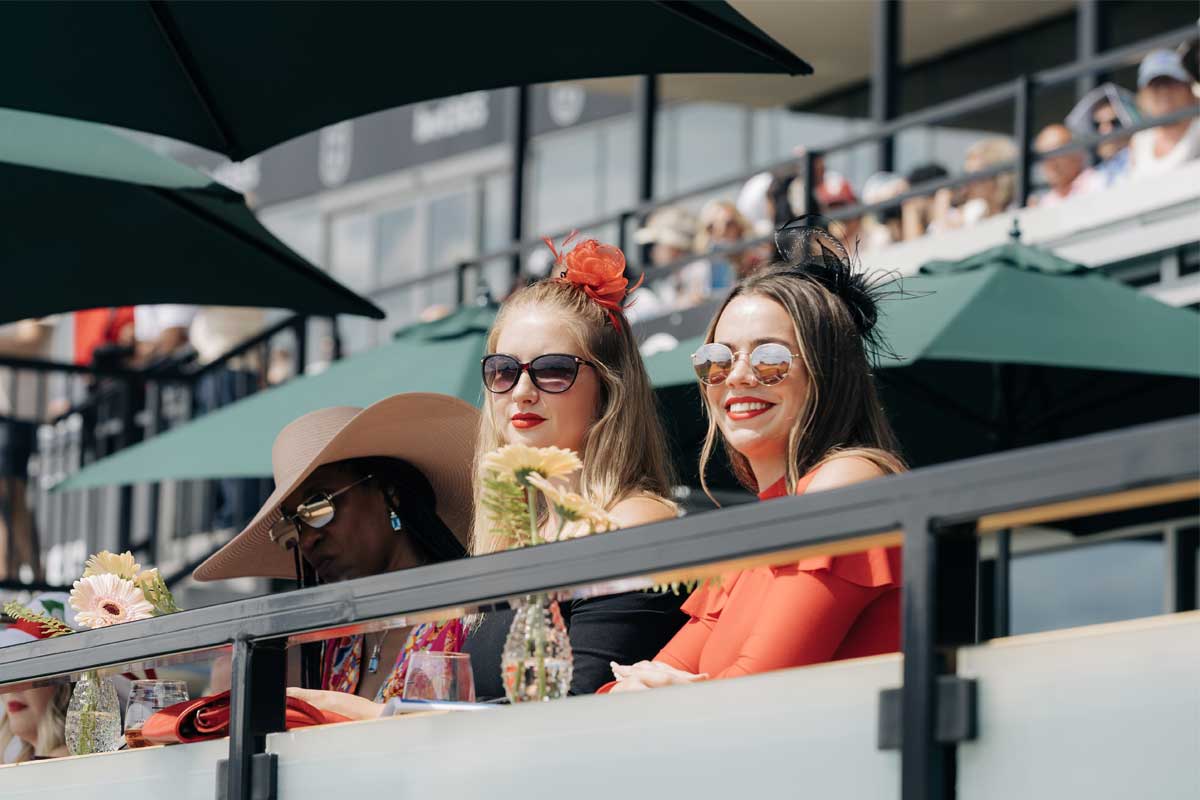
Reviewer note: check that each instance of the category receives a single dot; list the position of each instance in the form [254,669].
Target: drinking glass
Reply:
[434,675]
[145,698]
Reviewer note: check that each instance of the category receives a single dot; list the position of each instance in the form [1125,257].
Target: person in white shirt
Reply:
[1164,87]
[160,330]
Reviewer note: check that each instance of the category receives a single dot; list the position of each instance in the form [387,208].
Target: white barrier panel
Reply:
[807,732]
[150,773]
[1108,711]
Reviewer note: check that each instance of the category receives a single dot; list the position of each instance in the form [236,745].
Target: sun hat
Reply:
[433,432]
[672,226]
[1162,64]
[1122,102]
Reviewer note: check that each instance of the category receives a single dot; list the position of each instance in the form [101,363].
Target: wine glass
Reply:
[145,698]
[435,675]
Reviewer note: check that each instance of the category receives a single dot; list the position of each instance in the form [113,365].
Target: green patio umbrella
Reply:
[1010,347]
[1048,341]
[235,441]
[92,219]
[237,78]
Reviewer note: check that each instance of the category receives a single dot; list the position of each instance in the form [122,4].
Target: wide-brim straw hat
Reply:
[433,432]
[672,226]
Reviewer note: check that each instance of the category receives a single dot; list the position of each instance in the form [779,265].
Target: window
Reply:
[399,246]
[566,175]
[1087,585]
[300,230]
[352,251]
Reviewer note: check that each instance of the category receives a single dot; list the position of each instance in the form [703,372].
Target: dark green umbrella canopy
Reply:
[93,219]
[237,78]
[235,441]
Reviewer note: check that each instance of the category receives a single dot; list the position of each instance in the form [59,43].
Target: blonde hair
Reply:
[989,153]
[625,449]
[51,727]
[842,415]
[710,212]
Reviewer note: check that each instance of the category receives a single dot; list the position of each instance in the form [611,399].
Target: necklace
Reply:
[373,662]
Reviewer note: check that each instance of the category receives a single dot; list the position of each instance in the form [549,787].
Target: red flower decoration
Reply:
[598,269]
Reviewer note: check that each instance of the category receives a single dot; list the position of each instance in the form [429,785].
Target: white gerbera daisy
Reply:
[103,600]
[514,462]
[106,563]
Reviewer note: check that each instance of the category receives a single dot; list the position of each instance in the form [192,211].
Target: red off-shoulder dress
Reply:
[815,610]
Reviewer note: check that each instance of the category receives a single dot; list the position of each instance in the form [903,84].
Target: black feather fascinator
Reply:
[807,248]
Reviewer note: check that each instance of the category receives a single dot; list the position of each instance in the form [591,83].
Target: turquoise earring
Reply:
[395,520]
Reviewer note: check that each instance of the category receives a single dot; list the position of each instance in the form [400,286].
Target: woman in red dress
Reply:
[786,377]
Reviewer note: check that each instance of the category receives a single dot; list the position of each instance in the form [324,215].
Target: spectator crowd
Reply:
[701,255]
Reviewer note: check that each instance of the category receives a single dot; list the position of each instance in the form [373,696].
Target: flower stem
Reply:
[539,648]
[531,501]
[87,714]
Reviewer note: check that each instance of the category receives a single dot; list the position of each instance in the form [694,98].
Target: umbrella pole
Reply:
[1002,566]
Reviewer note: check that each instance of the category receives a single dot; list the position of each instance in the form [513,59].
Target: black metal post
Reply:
[1181,546]
[810,182]
[646,114]
[646,111]
[301,330]
[885,74]
[335,332]
[518,141]
[939,614]
[460,283]
[1001,582]
[1087,42]
[257,703]
[127,436]
[154,409]
[1022,123]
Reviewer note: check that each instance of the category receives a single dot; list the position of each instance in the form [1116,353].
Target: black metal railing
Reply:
[1021,92]
[115,407]
[937,513]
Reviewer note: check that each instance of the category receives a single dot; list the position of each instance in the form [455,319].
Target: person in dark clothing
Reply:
[602,630]
[564,371]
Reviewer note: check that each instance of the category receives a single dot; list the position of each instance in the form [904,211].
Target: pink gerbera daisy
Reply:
[103,600]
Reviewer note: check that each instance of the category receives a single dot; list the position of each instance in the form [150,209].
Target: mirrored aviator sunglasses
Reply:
[552,372]
[315,512]
[770,363]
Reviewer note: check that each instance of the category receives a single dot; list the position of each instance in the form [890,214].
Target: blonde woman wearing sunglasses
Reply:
[563,369]
[787,385]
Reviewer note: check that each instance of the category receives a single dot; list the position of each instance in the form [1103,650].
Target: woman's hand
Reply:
[350,706]
[651,675]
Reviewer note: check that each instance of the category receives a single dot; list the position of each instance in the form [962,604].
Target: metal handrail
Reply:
[936,512]
[950,109]
[949,494]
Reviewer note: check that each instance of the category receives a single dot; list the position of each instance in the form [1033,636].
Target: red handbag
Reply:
[208,718]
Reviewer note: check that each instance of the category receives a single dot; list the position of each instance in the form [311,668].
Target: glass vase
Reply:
[537,663]
[93,716]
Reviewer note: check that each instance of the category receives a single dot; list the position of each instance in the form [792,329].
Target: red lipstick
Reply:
[526,420]
[16,706]
[759,406]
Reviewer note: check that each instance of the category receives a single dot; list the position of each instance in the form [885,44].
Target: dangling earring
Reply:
[397,525]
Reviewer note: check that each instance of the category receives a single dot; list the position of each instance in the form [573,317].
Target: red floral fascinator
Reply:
[598,269]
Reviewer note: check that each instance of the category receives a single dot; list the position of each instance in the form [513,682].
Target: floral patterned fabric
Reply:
[342,667]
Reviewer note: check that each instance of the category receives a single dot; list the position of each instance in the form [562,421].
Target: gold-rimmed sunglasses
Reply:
[769,361]
[315,512]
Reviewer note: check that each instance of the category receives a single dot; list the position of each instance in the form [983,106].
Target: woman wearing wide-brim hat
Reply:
[362,492]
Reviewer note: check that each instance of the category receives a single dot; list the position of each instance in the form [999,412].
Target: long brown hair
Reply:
[842,414]
[625,450]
